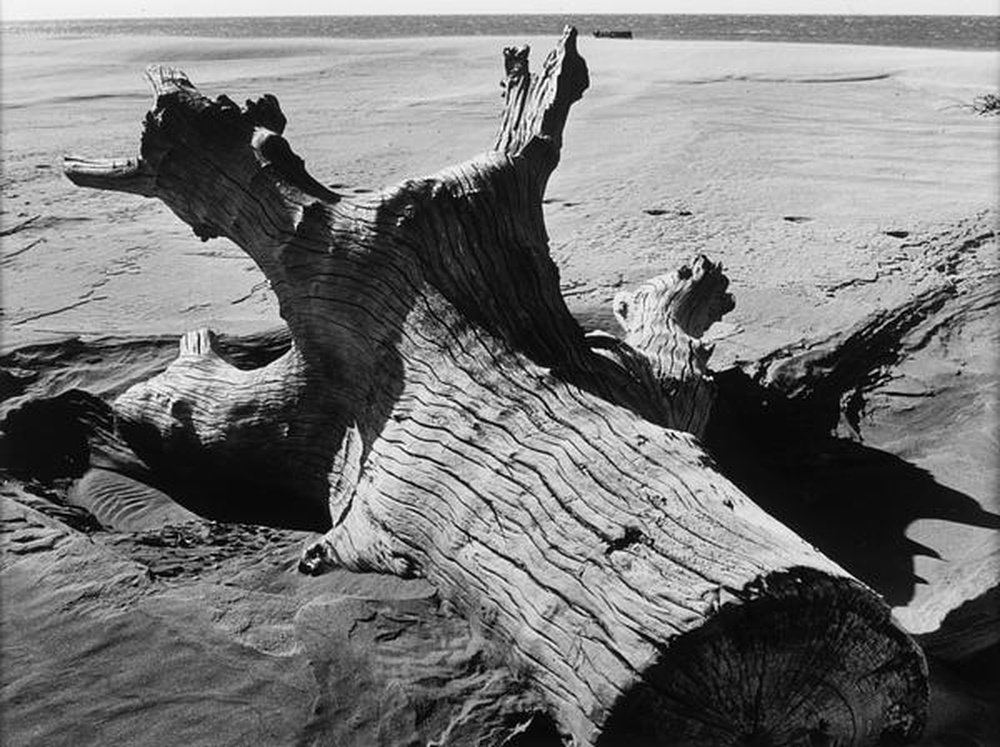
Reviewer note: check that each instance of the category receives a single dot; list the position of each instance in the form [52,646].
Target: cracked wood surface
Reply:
[442,404]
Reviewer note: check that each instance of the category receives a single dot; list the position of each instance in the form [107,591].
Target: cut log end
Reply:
[813,660]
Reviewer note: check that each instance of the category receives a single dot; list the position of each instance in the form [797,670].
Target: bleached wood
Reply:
[664,320]
[441,400]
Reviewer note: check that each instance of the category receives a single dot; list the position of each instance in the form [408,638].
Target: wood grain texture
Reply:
[459,425]
[664,320]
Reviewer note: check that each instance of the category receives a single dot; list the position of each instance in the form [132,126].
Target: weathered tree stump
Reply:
[440,399]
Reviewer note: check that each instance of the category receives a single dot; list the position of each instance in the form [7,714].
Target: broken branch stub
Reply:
[440,399]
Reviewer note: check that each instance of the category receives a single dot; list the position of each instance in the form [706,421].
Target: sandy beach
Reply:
[831,181]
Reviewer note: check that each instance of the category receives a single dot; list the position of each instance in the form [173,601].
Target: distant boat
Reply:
[602,34]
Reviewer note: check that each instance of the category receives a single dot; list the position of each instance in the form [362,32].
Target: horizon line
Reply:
[206,16]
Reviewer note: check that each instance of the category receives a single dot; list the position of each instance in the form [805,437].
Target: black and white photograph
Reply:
[499,374]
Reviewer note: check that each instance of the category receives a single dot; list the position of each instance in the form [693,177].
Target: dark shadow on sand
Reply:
[852,501]
[60,438]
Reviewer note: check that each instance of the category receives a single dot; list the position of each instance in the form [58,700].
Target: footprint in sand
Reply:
[897,234]
[797,218]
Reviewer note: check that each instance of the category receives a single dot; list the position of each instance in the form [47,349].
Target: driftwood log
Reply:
[442,403]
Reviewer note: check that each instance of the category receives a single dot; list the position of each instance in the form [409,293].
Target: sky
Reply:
[17,10]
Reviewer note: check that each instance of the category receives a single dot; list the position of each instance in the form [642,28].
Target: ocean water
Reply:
[949,32]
